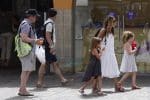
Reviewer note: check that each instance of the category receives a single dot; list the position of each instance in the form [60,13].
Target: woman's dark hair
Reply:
[107,20]
[97,33]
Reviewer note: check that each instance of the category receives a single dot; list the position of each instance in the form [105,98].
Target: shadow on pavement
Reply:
[90,96]
[21,98]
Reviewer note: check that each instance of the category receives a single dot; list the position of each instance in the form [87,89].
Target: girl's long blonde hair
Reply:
[126,36]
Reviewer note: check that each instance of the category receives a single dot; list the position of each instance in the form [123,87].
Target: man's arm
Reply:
[24,33]
[25,38]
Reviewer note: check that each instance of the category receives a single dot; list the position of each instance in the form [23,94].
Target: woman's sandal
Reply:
[135,87]
[119,87]
[41,86]
[64,82]
[100,93]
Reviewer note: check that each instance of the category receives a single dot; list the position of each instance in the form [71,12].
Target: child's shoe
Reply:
[81,91]
[135,87]
[119,87]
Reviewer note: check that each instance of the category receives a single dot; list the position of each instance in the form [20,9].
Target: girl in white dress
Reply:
[128,65]
[109,63]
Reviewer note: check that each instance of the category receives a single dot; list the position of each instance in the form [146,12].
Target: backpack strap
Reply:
[52,28]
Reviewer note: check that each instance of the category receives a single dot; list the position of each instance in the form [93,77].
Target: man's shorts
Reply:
[28,62]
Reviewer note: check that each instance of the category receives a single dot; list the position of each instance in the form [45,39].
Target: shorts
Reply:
[28,62]
[50,58]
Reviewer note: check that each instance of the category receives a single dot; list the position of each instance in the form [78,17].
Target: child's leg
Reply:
[124,77]
[99,83]
[119,86]
[115,80]
[99,86]
[134,79]
[134,85]
[94,85]
[86,84]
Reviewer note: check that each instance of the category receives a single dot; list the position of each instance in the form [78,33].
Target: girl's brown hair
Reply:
[126,36]
[95,42]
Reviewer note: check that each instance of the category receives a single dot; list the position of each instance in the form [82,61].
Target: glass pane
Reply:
[136,19]
[132,15]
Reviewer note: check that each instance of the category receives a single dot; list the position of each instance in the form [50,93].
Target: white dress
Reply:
[128,63]
[109,63]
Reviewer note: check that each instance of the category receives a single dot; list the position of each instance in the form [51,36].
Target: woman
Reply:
[109,63]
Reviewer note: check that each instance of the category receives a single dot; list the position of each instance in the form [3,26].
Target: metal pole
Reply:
[123,23]
[119,28]
[45,16]
[73,35]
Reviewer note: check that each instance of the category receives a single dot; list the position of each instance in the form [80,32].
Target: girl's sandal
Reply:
[81,91]
[119,87]
[64,82]
[135,87]
[94,91]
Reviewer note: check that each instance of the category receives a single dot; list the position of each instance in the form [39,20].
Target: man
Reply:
[28,36]
[50,44]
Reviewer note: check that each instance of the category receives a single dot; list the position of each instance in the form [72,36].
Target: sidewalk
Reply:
[10,82]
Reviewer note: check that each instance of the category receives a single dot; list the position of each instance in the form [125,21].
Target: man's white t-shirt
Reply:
[51,27]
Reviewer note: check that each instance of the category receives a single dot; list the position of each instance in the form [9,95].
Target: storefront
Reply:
[63,28]
[78,18]
[11,13]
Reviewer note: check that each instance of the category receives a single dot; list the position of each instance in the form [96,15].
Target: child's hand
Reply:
[103,48]
[135,49]
[100,54]
[53,51]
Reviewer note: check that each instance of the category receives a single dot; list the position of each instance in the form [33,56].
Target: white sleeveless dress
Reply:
[128,63]
[109,63]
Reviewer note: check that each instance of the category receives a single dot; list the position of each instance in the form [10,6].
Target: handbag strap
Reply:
[19,30]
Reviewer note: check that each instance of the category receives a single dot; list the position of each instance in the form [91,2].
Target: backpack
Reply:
[22,48]
[43,31]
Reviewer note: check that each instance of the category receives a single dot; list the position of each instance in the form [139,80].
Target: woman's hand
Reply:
[103,49]
[39,41]
[53,51]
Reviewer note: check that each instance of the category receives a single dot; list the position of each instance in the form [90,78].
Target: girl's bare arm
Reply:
[95,53]
[129,49]
[101,33]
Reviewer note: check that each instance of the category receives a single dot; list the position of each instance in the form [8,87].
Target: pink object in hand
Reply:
[134,44]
